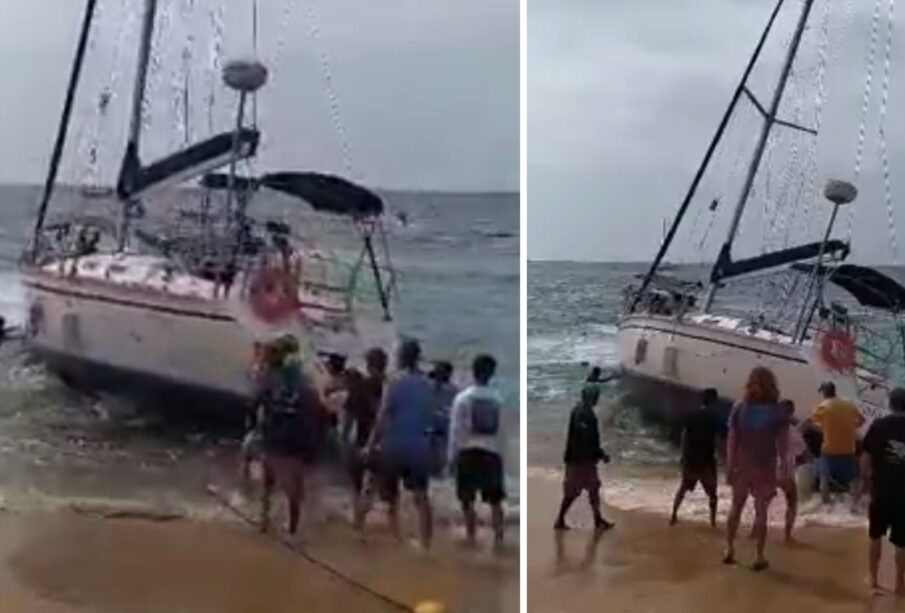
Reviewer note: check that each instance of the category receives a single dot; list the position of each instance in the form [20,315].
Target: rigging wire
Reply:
[342,135]
[330,90]
[865,106]
[884,157]
[254,47]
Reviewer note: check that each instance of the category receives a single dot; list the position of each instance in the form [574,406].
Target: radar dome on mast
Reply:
[245,75]
[840,192]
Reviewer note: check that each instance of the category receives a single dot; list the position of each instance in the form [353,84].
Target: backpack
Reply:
[485,416]
[288,426]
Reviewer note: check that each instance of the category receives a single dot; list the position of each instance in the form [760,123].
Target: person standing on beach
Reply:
[583,452]
[477,444]
[445,392]
[758,440]
[403,432]
[362,405]
[839,421]
[795,450]
[292,428]
[883,468]
[597,378]
[699,455]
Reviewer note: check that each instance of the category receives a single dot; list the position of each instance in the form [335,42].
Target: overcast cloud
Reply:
[426,92]
[625,96]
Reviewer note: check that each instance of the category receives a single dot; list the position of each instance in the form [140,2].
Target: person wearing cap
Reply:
[838,420]
[883,467]
[403,434]
[583,452]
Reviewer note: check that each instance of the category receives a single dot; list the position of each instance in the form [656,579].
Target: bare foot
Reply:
[877,590]
[673,520]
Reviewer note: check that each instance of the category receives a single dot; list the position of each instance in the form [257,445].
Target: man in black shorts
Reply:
[883,469]
[699,455]
[477,445]
[362,405]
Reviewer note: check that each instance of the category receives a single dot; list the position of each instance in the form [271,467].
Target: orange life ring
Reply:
[837,351]
[272,295]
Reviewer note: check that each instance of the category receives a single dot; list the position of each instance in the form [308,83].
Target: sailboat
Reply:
[675,341]
[179,316]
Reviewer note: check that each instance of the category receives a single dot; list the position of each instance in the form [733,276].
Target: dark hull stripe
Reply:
[715,342]
[155,390]
[130,303]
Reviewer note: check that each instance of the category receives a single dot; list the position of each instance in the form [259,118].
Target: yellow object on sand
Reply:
[430,606]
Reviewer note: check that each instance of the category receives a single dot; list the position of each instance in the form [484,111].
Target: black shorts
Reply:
[481,471]
[699,472]
[413,477]
[886,518]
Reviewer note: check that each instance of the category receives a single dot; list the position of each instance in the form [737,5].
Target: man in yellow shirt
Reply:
[839,421]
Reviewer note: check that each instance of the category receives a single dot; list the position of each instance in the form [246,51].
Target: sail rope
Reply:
[865,107]
[314,32]
[89,145]
[215,64]
[183,101]
[884,157]
[791,207]
[820,97]
[342,135]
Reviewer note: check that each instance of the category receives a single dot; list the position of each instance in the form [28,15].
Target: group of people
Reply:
[764,444]
[394,431]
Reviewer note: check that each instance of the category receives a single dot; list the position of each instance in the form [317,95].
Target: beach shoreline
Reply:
[643,564]
[91,561]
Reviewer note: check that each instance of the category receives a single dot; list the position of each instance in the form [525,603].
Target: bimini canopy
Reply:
[870,287]
[326,193]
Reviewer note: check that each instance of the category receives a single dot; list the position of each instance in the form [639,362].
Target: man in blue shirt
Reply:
[402,435]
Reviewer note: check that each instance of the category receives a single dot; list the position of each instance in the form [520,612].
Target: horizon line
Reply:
[411,190]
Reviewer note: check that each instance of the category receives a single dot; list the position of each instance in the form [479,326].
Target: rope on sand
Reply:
[388,600]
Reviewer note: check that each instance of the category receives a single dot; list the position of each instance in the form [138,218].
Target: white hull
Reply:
[188,338]
[689,355]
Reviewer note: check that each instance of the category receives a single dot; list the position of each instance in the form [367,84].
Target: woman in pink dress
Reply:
[756,456]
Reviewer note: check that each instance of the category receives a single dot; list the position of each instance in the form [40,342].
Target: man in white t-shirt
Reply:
[477,447]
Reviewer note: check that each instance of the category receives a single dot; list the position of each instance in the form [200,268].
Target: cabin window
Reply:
[641,351]
[671,362]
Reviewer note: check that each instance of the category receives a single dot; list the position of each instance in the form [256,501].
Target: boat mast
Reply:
[769,120]
[705,163]
[60,143]
[138,97]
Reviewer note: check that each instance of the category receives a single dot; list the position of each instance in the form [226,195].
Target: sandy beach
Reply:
[643,565]
[67,562]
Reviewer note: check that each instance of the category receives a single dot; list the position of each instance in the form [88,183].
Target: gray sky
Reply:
[427,92]
[625,96]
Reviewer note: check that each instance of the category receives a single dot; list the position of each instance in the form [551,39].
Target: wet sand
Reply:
[66,562]
[644,565]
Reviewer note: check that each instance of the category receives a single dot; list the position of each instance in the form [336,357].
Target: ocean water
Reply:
[573,310]
[457,261]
